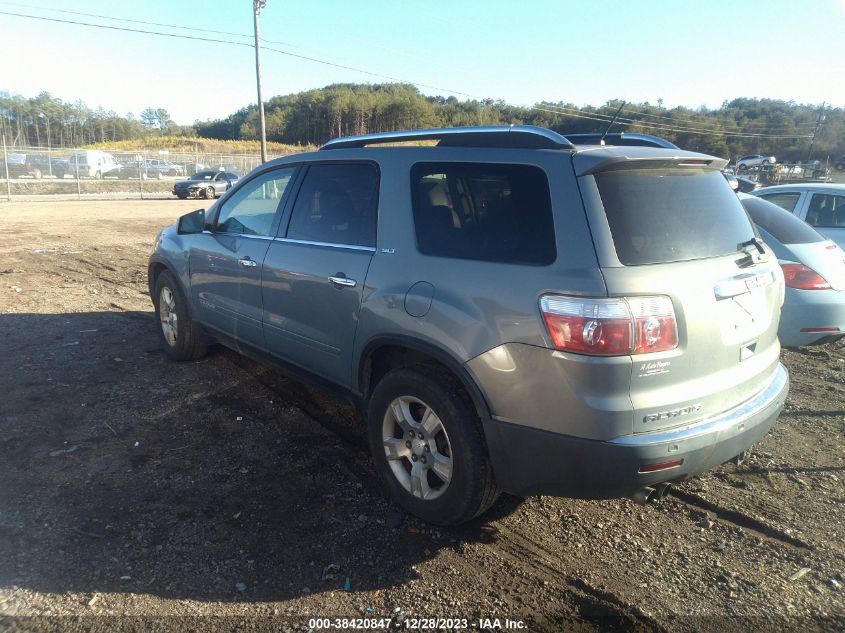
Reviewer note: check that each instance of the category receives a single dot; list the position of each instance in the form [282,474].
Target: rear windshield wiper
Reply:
[753,255]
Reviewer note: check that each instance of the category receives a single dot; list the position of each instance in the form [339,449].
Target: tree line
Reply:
[44,121]
[737,127]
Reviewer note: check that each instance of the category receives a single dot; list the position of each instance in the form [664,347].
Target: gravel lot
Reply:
[134,486]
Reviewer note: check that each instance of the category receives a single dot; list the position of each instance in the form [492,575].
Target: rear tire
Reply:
[438,467]
[181,337]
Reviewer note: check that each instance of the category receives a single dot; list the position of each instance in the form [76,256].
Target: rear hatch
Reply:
[667,224]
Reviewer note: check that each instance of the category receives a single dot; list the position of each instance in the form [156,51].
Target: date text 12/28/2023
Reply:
[416,624]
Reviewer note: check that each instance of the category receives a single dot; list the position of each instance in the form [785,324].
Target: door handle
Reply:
[246,262]
[343,281]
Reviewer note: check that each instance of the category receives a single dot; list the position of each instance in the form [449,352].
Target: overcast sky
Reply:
[687,53]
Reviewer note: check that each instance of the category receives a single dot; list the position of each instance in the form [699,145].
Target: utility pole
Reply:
[819,121]
[257,5]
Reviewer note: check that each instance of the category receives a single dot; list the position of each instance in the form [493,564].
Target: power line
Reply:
[680,128]
[203,30]
[551,108]
[667,128]
[144,22]
[246,44]
[675,120]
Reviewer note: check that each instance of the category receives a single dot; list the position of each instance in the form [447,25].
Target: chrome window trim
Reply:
[354,247]
[229,234]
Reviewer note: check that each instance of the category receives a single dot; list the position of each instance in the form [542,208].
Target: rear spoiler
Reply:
[618,158]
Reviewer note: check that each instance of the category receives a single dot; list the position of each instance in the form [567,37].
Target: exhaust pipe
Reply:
[643,495]
[660,491]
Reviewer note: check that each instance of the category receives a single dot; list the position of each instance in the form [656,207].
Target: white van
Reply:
[93,163]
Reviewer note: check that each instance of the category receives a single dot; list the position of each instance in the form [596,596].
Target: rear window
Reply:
[779,223]
[669,215]
[489,212]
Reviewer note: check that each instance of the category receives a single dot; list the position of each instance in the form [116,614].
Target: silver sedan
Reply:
[814,272]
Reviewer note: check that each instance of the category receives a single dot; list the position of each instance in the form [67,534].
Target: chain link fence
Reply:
[43,172]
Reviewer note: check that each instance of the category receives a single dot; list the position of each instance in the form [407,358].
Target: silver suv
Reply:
[510,312]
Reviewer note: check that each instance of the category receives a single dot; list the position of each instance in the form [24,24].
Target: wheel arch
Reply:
[419,350]
[382,353]
[154,270]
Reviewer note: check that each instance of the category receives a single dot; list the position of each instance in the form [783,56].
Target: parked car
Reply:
[205,184]
[814,271]
[89,163]
[753,160]
[821,205]
[165,167]
[746,185]
[25,165]
[839,164]
[740,183]
[152,168]
[508,311]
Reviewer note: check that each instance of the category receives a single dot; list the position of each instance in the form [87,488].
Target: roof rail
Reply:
[514,136]
[621,138]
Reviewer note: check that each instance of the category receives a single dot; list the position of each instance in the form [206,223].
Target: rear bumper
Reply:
[811,309]
[529,461]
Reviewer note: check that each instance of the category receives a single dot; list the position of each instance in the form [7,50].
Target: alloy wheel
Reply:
[417,447]
[167,315]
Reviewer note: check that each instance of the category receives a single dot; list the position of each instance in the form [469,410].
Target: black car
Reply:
[26,165]
[205,184]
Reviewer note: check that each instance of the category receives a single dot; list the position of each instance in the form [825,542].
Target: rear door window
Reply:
[674,214]
[826,211]
[337,204]
[780,223]
[490,212]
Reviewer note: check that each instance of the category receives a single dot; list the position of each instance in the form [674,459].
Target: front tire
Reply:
[181,337]
[208,193]
[428,446]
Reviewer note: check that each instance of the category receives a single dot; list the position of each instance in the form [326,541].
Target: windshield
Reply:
[668,215]
[203,175]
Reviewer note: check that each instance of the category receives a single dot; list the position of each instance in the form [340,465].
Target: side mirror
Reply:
[193,222]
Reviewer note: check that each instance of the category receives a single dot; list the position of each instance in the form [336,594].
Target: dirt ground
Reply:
[220,495]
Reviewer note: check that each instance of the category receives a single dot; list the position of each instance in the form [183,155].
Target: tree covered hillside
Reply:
[741,126]
[737,127]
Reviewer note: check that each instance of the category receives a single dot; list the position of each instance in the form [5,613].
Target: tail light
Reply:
[803,278]
[610,327]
